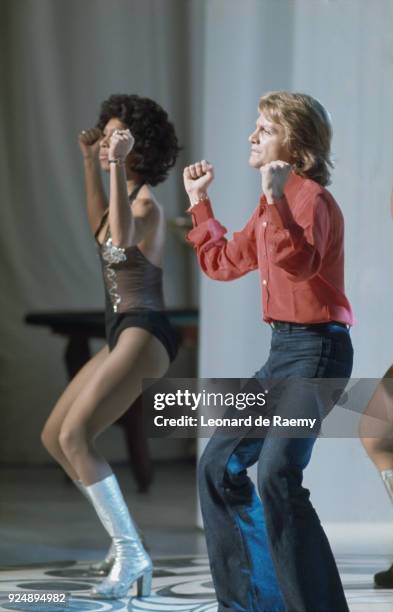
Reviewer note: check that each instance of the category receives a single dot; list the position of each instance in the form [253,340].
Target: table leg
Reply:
[138,446]
[77,353]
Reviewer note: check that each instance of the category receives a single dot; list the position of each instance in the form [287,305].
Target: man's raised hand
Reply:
[274,176]
[197,179]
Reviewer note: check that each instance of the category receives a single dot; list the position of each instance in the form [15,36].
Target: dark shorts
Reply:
[155,322]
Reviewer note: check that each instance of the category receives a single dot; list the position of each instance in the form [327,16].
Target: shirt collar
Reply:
[293,184]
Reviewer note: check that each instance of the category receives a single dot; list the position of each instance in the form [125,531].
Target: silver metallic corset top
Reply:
[131,280]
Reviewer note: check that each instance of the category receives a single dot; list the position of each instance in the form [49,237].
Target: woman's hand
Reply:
[89,142]
[120,144]
[197,179]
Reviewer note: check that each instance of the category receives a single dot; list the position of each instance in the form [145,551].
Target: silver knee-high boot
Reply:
[132,563]
[385,579]
[387,477]
[102,568]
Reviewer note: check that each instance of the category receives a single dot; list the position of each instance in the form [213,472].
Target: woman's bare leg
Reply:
[115,385]
[376,434]
[376,425]
[110,390]
[51,431]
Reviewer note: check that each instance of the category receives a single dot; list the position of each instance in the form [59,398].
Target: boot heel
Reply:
[143,587]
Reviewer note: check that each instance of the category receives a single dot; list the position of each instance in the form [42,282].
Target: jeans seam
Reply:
[235,519]
[322,356]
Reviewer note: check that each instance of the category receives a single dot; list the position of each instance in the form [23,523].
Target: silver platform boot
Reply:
[387,477]
[102,568]
[132,563]
[385,579]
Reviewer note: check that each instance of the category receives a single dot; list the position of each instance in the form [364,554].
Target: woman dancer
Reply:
[135,142]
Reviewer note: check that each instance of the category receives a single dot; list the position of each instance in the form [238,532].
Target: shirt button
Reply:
[264,282]
[264,223]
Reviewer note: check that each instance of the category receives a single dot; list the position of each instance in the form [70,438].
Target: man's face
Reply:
[267,143]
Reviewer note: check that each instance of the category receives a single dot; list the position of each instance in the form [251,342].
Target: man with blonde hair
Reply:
[270,553]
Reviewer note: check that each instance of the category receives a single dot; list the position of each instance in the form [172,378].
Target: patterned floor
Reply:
[181,584]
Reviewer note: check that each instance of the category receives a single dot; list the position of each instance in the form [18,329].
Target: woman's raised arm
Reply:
[97,202]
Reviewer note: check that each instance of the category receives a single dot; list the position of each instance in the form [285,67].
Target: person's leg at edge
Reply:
[376,435]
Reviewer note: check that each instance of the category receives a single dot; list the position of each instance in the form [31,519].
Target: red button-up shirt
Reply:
[297,244]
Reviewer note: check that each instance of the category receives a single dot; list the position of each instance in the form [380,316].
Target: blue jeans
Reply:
[269,553]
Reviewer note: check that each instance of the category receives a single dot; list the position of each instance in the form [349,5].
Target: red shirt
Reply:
[297,244]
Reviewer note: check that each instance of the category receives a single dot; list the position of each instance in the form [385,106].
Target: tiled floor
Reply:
[48,533]
[181,584]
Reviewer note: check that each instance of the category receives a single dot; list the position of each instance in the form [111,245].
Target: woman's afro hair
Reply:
[156,146]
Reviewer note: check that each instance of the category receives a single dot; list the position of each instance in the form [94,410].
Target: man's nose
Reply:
[252,137]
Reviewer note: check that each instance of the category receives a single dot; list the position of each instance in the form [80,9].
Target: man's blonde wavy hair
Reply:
[308,131]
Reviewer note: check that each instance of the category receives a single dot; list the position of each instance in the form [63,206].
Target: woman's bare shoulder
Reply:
[146,200]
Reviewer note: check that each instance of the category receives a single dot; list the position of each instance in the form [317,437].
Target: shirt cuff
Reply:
[207,234]
[201,212]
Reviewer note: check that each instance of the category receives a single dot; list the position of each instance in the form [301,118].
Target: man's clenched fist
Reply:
[197,178]
[274,177]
